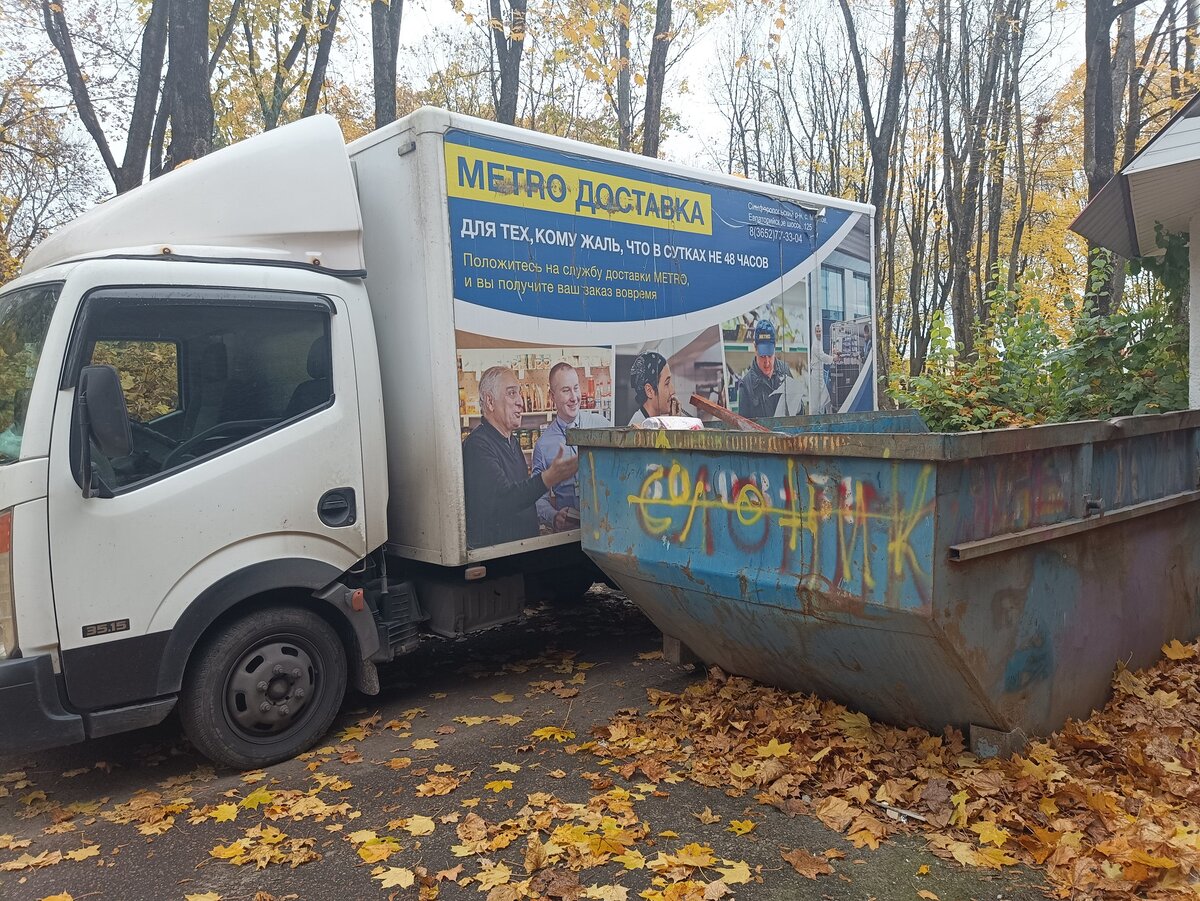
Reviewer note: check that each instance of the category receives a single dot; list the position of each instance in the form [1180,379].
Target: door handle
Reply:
[337,508]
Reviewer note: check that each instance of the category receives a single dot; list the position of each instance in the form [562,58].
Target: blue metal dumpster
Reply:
[987,580]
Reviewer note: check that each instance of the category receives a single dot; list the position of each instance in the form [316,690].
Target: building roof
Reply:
[286,195]
[1160,184]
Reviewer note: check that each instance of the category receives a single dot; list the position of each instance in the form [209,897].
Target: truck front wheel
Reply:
[264,688]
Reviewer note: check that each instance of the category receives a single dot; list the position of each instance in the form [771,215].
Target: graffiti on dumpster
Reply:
[836,533]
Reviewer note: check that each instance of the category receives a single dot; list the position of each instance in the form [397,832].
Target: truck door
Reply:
[246,451]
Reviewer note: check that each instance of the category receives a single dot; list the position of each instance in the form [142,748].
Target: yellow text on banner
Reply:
[473,173]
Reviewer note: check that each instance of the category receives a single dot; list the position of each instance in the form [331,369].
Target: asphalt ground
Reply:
[141,810]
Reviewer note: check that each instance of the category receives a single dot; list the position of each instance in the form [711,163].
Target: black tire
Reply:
[301,661]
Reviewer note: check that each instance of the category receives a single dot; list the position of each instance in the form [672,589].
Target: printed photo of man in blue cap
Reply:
[763,376]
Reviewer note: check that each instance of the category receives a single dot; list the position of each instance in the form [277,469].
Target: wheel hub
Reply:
[270,687]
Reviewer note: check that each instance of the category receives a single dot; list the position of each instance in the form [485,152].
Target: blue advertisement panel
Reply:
[590,292]
[614,249]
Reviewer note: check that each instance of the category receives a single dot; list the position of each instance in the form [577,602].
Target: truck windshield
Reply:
[24,319]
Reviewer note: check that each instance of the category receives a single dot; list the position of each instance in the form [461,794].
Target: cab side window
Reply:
[204,375]
[149,375]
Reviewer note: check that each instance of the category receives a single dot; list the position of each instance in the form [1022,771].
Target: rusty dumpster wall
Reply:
[988,579]
[812,572]
[1060,562]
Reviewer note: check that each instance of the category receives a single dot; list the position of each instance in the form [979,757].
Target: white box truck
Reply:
[268,418]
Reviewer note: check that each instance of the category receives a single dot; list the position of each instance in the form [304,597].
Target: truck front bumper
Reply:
[31,714]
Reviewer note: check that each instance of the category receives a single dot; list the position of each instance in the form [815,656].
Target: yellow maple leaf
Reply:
[419,825]
[395,877]
[735,873]
[505,767]
[923,870]
[604,844]
[1137,855]
[256,799]
[378,849]
[997,857]
[990,833]
[707,817]
[510,719]
[1178,651]
[490,878]
[959,800]
[61,896]
[743,772]
[228,852]
[83,853]
[29,861]
[741,827]
[437,785]
[225,813]
[352,733]
[362,835]
[424,744]
[399,763]
[606,893]
[631,860]
[502,697]
[694,855]
[553,733]
[499,785]
[203,896]
[774,748]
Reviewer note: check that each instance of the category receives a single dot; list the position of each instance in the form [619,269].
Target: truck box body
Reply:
[487,245]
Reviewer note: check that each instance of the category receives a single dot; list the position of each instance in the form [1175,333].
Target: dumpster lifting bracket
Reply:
[985,547]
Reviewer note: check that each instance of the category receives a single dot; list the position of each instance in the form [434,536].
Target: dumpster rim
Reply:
[931,447]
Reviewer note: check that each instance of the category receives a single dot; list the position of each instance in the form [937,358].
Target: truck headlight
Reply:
[8,622]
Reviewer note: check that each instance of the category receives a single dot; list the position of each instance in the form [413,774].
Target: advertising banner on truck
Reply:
[591,293]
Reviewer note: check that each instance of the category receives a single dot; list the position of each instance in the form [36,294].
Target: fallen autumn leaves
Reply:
[1109,806]
[1106,807]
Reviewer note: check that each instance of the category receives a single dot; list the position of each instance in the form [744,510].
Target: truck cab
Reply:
[191,480]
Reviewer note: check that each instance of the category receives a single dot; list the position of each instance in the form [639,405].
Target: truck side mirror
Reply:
[103,418]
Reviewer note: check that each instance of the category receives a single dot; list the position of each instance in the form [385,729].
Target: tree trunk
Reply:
[130,172]
[1022,178]
[510,44]
[1189,44]
[965,162]
[317,82]
[1099,129]
[624,90]
[881,135]
[656,75]
[385,45]
[191,95]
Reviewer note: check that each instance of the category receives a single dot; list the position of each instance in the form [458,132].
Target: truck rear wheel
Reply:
[265,688]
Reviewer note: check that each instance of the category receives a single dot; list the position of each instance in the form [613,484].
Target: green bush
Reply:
[1130,361]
